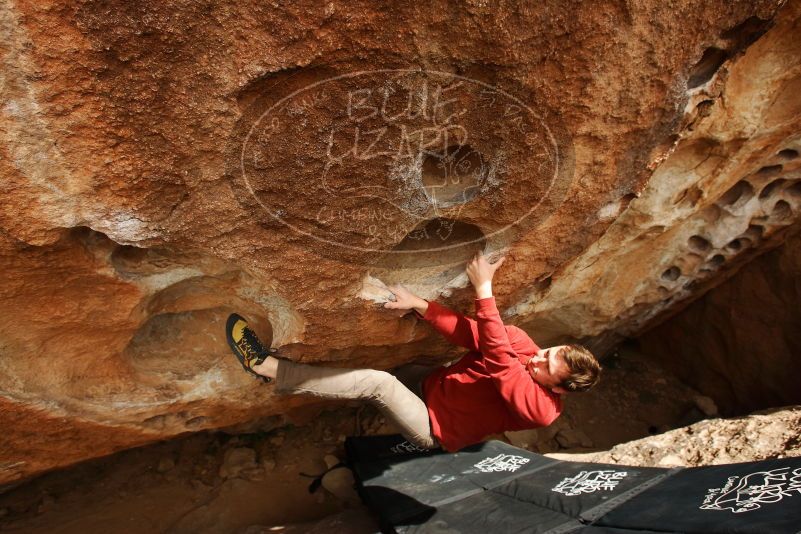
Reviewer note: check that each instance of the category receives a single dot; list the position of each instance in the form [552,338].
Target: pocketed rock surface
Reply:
[746,353]
[165,164]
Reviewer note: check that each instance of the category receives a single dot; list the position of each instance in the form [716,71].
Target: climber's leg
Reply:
[387,393]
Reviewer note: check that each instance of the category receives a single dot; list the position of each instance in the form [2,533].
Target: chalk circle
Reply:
[375,162]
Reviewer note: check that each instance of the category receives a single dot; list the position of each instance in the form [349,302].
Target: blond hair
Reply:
[585,371]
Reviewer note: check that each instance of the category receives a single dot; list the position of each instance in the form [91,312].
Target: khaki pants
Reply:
[398,395]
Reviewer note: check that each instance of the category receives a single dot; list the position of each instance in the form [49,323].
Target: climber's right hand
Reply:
[401,298]
[405,300]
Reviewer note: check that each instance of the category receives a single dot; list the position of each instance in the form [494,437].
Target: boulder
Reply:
[164,165]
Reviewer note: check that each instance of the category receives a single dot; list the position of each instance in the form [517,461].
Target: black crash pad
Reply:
[494,487]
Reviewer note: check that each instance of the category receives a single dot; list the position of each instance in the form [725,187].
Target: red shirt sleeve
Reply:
[530,401]
[455,327]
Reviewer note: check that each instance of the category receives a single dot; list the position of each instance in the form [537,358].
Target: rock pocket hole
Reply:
[704,107]
[127,258]
[770,189]
[672,274]
[711,213]
[734,245]
[543,283]
[746,32]
[787,154]
[795,190]
[744,241]
[699,244]
[781,211]
[707,66]
[691,285]
[770,170]
[453,176]
[754,232]
[439,241]
[738,195]
[716,261]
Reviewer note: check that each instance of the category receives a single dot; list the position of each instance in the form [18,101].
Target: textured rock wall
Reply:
[729,189]
[163,165]
[739,343]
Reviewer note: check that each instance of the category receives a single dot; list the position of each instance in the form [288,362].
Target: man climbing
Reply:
[504,382]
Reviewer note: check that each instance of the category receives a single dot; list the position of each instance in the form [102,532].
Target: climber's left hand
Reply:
[480,273]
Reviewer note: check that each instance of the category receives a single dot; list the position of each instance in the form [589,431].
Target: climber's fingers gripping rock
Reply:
[402,300]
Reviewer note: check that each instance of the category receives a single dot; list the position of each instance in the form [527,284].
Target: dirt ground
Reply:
[773,433]
[183,485]
[219,483]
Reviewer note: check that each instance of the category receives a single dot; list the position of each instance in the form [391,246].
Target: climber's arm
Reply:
[454,326]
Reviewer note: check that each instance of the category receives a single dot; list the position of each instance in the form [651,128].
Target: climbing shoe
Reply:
[246,345]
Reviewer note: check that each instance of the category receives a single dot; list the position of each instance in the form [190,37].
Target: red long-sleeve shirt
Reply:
[489,389]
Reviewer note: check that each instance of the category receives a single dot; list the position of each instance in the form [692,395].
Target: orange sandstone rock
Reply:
[163,165]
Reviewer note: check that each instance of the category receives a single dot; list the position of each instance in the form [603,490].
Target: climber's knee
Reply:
[381,383]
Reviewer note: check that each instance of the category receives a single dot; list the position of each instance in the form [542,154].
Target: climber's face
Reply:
[548,368]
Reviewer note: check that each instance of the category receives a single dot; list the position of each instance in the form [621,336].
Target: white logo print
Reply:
[502,462]
[589,482]
[406,447]
[750,492]
[442,479]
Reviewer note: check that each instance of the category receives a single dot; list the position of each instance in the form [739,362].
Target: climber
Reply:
[505,381]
